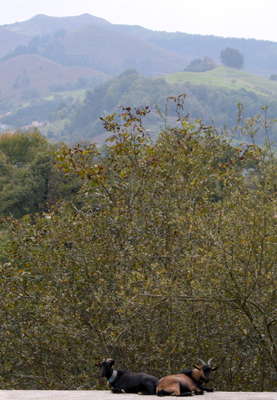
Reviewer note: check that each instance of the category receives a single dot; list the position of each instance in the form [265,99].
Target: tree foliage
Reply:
[167,254]
[232,58]
[201,65]
[28,180]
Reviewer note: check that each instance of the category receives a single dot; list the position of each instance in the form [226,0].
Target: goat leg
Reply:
[206,389]
[117,390]
[198,392]
[185,394]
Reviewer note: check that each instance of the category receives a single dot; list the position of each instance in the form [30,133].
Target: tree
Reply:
[232,58]
[201,65]
[29,181]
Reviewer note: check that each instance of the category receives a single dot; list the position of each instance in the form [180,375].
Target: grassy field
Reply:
[227,78]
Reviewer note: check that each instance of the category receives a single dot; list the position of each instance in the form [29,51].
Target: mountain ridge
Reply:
[42,24]
[169,48]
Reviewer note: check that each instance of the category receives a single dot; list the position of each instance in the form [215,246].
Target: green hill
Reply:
[226,78]
[211,97]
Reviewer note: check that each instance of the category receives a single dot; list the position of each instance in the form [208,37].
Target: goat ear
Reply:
[214,368]
[98,364]
[197,367]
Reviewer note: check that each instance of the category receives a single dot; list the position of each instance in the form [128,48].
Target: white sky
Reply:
[232,18]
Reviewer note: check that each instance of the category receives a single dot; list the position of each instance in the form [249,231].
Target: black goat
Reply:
[126,381]
[188,382]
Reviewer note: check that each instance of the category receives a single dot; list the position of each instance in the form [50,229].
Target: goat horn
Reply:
[203,362]
[209,361]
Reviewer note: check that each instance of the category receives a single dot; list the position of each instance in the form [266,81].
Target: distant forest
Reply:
[80,117]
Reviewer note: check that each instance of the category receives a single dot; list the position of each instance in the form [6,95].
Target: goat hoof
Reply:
[117,390]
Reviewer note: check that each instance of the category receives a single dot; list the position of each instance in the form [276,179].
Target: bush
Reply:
[201,65]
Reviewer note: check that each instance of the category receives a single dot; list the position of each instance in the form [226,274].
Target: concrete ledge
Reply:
[107,395]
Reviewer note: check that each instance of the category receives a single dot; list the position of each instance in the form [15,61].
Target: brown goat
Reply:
[187,383]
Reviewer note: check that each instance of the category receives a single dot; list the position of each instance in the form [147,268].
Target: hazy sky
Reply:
[235,18]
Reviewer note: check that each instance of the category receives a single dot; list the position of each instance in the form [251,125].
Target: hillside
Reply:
[104,48]
[212,97]
[10,40]
[227,78]
[260,56]
[28,77]
[113,52]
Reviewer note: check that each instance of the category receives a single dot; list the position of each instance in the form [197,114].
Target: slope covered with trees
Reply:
[211,96]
